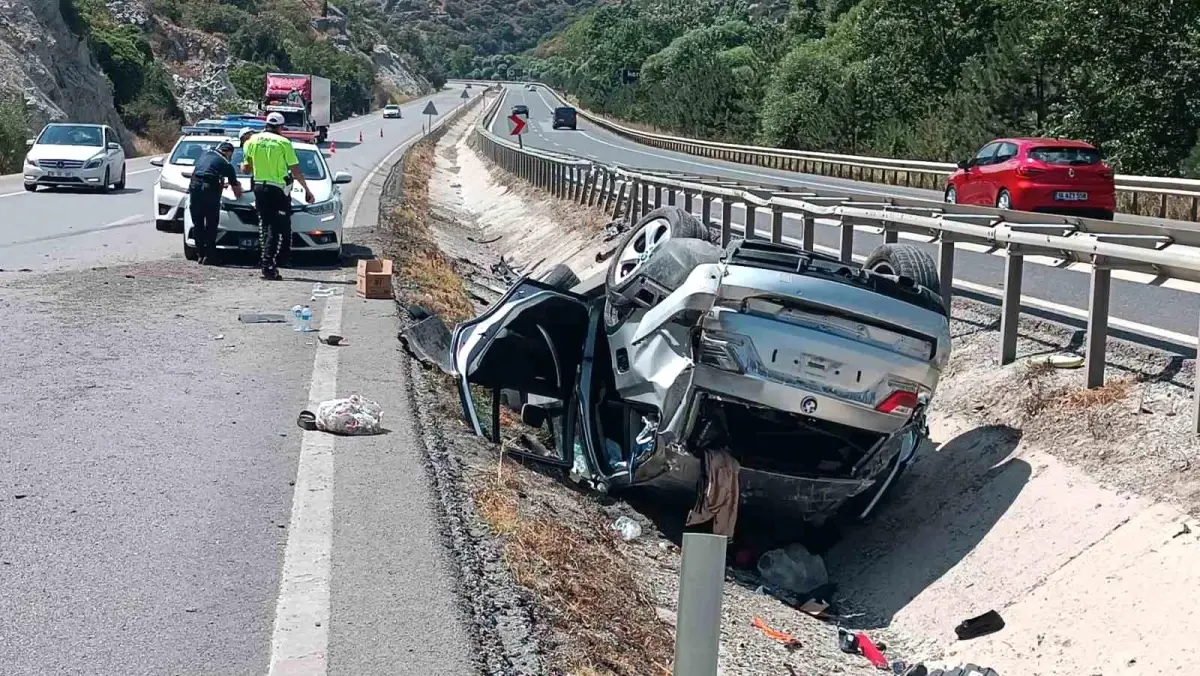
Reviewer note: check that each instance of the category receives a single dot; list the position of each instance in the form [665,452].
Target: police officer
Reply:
[209,176]
[270,158]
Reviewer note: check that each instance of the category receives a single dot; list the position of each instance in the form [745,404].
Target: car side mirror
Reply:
[114,146]
[964,164]
[342,178]
[533,415]
[188,174]
[29,142]
[156,162]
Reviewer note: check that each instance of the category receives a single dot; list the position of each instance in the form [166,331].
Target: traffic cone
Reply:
[360,136]
[332,147]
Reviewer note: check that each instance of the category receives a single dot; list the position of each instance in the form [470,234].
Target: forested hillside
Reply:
[929,79]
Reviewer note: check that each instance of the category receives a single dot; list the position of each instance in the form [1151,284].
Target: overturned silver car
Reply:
[820,370]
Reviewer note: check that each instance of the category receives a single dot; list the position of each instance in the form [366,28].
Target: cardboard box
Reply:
[375,279]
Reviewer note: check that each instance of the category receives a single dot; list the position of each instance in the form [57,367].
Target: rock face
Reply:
[52,69]
[199,65]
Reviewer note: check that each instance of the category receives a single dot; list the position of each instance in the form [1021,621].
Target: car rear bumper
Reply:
[1028,196]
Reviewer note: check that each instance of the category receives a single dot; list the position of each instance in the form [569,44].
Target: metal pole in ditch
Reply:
[698,613]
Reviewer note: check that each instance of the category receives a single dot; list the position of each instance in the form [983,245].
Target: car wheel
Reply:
[1107,216]
[31,187]
[332,258]
[121,183]
[951,195]
[638,247]
[905,260]
[1004,200]
[189,252]
[561,277]
[104,187]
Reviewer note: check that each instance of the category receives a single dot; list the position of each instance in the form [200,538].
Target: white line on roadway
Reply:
[300,641]
[26,192]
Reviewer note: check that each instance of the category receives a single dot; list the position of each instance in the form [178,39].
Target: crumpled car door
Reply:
[526,348]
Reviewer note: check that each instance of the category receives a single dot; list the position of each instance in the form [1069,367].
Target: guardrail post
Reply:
[946,268]
[846,247]
[890,236]
[688,200]
[706,209]
[1010,308]
[644,202]
[1097,324]
[808,227]
[670,197]
[657,196]
[631,206]
[613,205]
[776,225]
[726,220]
[751,224]
[701,588]
[576,177]
[597,184]
[1196,404]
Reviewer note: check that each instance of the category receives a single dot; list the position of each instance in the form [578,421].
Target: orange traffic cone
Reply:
[332,147]
[360,136]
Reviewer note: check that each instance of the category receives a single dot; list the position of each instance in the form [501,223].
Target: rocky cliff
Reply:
[45,63]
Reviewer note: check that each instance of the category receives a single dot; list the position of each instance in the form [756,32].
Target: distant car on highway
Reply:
[520,109]
[75,155]
[564,117]
[171,186]
[391,111]
[316,227]
[1036,174]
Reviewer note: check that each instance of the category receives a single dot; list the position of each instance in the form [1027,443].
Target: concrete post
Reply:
[701,587]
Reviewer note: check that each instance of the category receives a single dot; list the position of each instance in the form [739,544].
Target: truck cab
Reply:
[303,100]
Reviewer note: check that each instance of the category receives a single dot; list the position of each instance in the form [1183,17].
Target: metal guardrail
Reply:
[1162,197]
[1104,245]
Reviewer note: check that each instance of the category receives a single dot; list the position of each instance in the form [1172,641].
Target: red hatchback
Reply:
[1037,174]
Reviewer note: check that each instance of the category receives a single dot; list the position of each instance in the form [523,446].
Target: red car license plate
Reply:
[1071,196]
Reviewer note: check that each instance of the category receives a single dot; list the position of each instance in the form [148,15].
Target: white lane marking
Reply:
[300,641]
[352,220]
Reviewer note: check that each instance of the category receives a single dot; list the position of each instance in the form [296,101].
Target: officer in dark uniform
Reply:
[211,172]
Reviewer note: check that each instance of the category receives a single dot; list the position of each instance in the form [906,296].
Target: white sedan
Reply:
[171,186]
[391,111]
[75,155]
[316,227]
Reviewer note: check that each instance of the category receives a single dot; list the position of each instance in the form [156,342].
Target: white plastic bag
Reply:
[793,568]
[354,415]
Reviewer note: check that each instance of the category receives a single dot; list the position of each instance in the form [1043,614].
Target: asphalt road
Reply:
[158,504]
[1160,313]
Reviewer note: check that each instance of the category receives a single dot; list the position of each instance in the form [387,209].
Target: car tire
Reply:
[1107,216]
[121,183]
[104,187]
[650,231]
[905,260]
[31,187]
[951,195]
[190,253]
[332,258]
[1004,199]
[561,277]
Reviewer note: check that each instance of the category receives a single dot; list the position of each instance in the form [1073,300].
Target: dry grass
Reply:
[143,146]
[576,568]
[425,277]
[1112,392]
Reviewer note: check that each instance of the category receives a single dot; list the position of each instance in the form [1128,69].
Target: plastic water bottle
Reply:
[306,319]
[296,310]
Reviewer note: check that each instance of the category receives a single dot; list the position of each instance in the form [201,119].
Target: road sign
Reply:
[429,109]
[465,94]
[516,126]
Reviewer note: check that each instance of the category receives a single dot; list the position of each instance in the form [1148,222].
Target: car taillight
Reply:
[899,403]
[719,350]
[1027,171]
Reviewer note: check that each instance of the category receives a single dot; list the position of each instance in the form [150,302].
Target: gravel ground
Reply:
[992,424]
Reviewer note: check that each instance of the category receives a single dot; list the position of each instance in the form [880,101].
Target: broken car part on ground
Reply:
[820,371]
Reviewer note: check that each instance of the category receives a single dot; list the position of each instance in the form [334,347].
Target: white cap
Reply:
[275,119]
[244,131]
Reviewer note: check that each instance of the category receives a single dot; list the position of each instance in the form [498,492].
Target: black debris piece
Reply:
[428,341]
[987,623]
[260,318]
